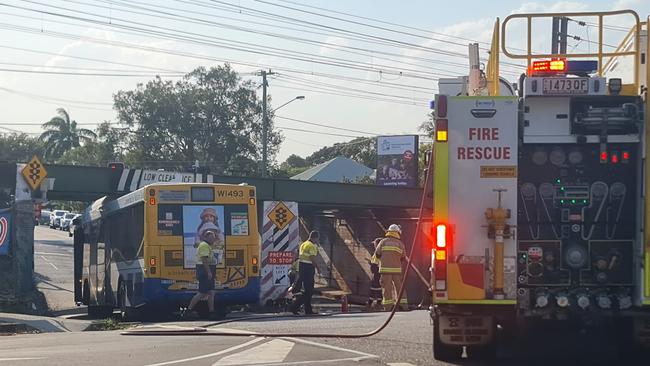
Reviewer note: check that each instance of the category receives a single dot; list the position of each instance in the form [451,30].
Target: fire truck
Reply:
[540,185]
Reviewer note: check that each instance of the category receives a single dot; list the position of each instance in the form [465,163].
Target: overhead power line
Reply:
[298,56]
[325,125]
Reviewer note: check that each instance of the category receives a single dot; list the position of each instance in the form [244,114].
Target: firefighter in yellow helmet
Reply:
[391,253]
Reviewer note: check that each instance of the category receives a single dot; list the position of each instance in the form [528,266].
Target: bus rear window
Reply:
[202,194]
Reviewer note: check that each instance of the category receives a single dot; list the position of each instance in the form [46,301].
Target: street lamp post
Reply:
[265,137]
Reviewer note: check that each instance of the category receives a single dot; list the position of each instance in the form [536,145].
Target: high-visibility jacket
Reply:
[390,251]
[307,250]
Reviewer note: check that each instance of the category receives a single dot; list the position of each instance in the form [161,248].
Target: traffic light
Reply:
[116,165]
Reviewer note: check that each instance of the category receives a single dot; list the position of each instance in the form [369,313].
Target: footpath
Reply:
[13,323]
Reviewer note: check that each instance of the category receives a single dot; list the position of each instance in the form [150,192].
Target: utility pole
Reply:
[559,39]
[265,123]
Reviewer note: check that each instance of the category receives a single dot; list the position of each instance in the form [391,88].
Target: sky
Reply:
[365,67]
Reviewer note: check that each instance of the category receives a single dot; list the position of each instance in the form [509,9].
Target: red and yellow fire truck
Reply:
[540,207]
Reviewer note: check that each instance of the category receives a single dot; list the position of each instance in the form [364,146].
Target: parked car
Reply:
[45,217]
[76,220]
[66,221]
[55,218]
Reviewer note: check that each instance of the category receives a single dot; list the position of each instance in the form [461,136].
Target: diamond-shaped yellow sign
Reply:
[34,173]
[281,216]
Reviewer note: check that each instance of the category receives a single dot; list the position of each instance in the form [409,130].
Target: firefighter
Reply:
[390,252]
[306,272]
[374,295]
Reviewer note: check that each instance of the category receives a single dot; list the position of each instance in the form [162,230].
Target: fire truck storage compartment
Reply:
[605,115]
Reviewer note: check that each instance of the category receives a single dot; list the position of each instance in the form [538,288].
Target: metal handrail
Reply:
[600,54]
[493,62]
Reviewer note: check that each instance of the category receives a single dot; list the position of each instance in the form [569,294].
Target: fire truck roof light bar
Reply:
[563,67]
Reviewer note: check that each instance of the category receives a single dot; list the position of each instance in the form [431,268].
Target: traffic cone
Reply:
[344,303]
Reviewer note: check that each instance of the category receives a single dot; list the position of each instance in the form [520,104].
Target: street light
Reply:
[299,97]
[265,137]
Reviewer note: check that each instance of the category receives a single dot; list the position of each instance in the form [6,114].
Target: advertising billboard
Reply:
[5,231]
[397,161]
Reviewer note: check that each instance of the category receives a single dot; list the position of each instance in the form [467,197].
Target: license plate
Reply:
[465,330]
[565,86]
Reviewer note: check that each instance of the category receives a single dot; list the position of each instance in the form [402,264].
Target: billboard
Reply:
[5,231]
[397,161]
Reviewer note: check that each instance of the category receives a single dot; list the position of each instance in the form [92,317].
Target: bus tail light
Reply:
[152,265]
[254,262]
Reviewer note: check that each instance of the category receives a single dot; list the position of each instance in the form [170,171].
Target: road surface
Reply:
[53,267]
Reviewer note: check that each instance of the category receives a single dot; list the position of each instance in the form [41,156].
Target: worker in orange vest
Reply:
[391,254]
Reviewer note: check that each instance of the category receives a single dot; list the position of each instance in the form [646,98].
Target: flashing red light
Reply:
[626,156]
[603,156]
[441,236]
[547,66]
[614,158]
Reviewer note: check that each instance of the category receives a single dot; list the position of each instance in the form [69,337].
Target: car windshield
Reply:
[69,216]
[59,213]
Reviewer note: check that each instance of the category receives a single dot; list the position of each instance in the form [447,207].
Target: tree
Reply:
[109,146]
[428,126]
[210,116]
[62,135]
[19,147]
[361,149]
[295,161]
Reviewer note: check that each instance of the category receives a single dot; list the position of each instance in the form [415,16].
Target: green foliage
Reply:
[109,146]
[359,180]
[72,206]
[107,324]
[211,115]
[19,147]
[428,126]
[361,149]
[295,161]
[62,134]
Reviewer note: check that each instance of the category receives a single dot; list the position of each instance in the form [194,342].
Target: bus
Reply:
[137,251]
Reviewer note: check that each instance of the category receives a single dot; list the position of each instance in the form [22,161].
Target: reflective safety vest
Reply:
[307,250]
[390,251]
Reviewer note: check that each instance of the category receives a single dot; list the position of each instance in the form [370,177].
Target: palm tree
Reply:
[62,135]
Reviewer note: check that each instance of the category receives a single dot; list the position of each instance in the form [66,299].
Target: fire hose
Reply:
[204,332]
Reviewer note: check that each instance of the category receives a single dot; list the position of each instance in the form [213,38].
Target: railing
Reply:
[493,62]
[529,55]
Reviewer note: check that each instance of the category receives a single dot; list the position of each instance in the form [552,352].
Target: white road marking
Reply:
[322,345]
[311,362]
[55,254]
[21,359]
[50,263]
[227,350]
[271,352]
[400,364]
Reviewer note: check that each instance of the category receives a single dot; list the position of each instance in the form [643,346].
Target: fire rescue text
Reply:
[483,152]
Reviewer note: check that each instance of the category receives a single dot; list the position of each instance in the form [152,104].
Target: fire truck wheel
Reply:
[441,351]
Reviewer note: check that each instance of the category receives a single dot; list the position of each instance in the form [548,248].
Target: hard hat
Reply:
[396,228]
